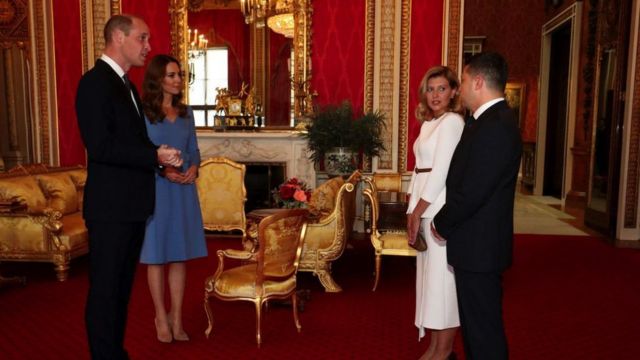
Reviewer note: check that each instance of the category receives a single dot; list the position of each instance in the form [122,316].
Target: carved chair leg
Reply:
[62,270]
[207,310]
[258,304]
[327,281]
[378,266]
[294,299]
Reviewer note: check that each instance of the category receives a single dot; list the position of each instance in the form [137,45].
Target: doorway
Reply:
[555,144]
[559,73]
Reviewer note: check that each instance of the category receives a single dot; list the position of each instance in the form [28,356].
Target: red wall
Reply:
[517,39]
[68,55]
[156,14]
[337,54]
[425,52]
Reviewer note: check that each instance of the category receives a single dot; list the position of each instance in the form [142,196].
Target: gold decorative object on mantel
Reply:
[236,111]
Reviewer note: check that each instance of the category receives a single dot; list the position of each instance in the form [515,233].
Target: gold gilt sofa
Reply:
[333,203]
[41,217]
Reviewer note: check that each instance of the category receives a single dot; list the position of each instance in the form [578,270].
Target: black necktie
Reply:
[469,120]
[127,83]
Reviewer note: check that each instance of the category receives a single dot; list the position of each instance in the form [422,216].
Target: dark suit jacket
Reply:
[121,159]
[477,219]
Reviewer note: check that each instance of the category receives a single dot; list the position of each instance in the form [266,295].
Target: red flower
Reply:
[287,191]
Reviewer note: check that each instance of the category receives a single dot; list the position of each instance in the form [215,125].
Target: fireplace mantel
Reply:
[261,147]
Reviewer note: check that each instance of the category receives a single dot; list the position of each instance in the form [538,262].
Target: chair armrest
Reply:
[231,254]
[33,230]
[237,254]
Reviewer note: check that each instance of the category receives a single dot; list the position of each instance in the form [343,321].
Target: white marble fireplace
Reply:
[261,147]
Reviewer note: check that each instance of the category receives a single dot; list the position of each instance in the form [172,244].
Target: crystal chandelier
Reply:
[278,14]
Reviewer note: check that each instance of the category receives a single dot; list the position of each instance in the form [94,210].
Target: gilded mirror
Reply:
[270,69]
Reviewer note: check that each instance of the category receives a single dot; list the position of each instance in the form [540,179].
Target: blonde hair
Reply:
[423,112]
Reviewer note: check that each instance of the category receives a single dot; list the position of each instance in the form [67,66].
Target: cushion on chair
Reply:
[60,192]
[222,195]
[79,177]
[323,198]
[24,189]
[240,282]
[395,241]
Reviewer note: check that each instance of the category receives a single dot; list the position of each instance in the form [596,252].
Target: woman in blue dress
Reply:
[174,232]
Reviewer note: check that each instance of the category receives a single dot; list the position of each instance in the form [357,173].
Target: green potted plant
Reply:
[335,136]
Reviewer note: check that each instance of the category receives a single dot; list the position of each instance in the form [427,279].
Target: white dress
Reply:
[436,300]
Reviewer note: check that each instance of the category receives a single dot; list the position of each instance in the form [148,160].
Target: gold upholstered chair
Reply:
[385,242]
[269,273]
[222,195]
[333,203]
[388,181]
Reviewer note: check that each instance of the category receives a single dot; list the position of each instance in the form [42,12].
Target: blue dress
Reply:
[174,231]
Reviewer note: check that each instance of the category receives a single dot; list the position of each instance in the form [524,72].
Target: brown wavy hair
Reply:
[152,89]
[423,112]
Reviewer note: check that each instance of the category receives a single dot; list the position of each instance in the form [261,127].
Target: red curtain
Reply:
[279,80]
[68,55]
[426,51]
[227,28]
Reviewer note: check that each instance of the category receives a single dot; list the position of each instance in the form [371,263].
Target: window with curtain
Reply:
[208,70]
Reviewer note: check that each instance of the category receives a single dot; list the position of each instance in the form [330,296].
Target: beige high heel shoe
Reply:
[163,336]
[181,336]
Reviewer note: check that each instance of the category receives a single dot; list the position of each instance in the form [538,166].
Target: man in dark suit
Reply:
[119,194]
[477,219]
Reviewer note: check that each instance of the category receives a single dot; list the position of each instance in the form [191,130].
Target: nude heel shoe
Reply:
[181,336]
[163,336]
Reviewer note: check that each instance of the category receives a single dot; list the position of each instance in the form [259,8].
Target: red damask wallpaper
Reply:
[518,39]
[425,52]
[68,55]
[156,14]
[338,51]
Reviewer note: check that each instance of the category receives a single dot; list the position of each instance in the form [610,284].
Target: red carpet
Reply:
[565,298]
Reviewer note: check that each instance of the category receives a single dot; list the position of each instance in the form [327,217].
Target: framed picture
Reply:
[514,94]
[235,107]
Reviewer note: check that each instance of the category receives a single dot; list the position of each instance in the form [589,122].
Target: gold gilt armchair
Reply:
[222,195]
[392,242]
[334,204]
[270,272]
[388,181]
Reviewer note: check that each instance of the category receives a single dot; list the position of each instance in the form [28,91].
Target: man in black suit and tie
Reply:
[119,194]
[477,219]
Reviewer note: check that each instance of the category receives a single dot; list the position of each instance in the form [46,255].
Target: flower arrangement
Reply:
[292,194]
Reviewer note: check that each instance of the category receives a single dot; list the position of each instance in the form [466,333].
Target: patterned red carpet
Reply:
[565,298]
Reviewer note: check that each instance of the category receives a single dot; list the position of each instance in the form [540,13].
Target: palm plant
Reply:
[335,127]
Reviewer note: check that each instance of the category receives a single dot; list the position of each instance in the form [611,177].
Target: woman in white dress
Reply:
[436,302]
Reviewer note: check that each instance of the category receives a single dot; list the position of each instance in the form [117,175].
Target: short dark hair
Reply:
[121,22]
[492,66]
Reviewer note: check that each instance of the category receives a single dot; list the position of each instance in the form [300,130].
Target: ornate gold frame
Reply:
[178,14]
